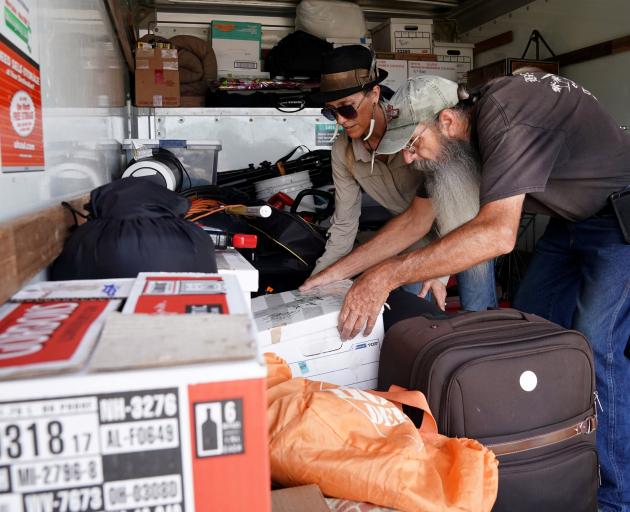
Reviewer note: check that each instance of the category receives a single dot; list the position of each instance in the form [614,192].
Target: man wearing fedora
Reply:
[352,97]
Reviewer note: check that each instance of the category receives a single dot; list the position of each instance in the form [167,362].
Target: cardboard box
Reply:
[236,46]
[459,53]
[446,70]
[397,72]
[48,337]
[157,77]
[77,289]
[407,56]
[302,329]
[230,262]
[147,438]
[185,293]
[304,498]
[403,35]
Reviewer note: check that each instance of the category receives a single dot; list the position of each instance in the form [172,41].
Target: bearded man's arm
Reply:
[398,234]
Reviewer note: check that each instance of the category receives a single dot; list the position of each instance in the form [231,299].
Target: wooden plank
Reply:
[595,51]
[28,244]
[117,17]
[493,42]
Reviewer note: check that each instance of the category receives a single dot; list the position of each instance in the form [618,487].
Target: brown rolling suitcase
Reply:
[523,386]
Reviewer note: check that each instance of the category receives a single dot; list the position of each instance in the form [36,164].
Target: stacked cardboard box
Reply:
[236,46]
[161,412]
[412,41]
[157,77]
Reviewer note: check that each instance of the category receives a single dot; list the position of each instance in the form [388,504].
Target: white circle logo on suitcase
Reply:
[528,381]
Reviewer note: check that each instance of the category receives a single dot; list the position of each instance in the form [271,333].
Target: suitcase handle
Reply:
[490,315]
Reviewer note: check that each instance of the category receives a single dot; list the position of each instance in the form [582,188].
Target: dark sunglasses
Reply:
[346,111]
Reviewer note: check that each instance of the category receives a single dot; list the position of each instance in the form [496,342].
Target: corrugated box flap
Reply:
[145,341]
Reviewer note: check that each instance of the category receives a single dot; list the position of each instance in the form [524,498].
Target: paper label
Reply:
[112,452]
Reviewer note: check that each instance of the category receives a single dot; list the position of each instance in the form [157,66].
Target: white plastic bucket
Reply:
[291,185]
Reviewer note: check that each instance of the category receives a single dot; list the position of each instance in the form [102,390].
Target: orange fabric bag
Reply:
[359,445]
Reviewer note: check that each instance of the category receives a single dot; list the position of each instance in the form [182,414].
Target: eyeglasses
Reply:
[346,111]
[410,147]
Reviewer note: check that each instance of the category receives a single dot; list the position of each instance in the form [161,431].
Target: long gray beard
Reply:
[453,181]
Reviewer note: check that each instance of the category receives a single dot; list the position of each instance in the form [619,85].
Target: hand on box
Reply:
[363,304]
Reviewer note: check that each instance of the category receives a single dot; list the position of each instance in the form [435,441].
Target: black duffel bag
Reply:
[298,55]
[134,226]
[288,246]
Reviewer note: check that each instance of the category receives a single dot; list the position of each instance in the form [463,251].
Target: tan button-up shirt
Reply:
[392,184]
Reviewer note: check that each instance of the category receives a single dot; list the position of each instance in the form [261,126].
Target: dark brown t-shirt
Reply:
[548,137]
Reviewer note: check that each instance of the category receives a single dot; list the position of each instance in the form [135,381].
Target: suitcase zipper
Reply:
[586,426]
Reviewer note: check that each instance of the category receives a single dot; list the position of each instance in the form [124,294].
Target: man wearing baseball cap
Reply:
[545,145]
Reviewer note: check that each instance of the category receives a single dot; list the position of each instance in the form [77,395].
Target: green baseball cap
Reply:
[418,100]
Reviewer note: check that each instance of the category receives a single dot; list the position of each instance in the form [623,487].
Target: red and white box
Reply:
[39,338]
[172,420]
[446,70]
[185,293]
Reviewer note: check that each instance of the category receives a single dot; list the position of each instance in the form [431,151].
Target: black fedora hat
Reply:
[345,71]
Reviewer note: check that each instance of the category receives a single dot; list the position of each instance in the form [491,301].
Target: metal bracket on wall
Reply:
[537,38]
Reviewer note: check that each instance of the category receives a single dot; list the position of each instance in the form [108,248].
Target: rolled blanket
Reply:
[197,64]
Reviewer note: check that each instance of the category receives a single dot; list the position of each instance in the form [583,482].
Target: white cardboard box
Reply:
[397,72]
[403,35]
[174,422]
[232,263]
[446,70]
[460,53]
[302,329]
[77,289]
[236,45]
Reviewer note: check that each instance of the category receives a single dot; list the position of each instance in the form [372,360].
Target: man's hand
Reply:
[322,278]
[363,303]
[438,290]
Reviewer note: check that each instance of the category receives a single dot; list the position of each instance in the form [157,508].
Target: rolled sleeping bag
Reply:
[134,226]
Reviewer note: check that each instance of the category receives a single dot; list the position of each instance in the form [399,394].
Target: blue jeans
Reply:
[580,279]
[477,289]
